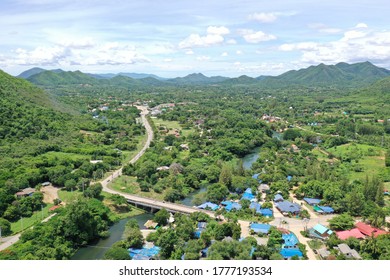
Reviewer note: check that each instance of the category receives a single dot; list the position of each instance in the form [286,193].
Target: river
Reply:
[96,251]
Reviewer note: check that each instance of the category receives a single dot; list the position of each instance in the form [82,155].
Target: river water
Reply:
[97,251]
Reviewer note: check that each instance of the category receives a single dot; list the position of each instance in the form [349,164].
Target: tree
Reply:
[216,192]
[275,239]
[161,217]
[5,227]
[117,253]
[94,191]
[133,234]
[291,134]
[341,222]
[167,242]
[355,203]
[225,177]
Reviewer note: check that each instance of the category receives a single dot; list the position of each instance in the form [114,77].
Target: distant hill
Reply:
[53,78]
[130,75]
[341,74]
[197,79]
[28,73]
[242,80]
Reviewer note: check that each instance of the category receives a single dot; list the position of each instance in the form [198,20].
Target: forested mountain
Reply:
[339,75]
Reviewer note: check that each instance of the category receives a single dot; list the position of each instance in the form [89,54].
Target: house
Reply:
[290,240]
[266,212]
[368,230]
[230,205]
[150,224]
[162,168]
[323,253]
[264,188]
[256,206]
[348,252]
[312,201]
[260,228]
[209,205]
[25,192]
[147,252]
[286,207]
[323,209]
[45,184]
[256,177]
[289,253]
[200,228]
[278,198]
[248,195]
[345,234]
[320,231]
[184,146]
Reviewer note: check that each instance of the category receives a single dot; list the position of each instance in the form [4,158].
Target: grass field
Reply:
[25,223]
[172,125]
[68,197]
[128,184]
[369,159]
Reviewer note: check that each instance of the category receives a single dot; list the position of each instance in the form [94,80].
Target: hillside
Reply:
[27,111]
[53,78]
[341,74]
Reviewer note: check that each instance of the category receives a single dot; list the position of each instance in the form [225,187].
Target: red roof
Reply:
[54,207]
[369,230]
[349,233]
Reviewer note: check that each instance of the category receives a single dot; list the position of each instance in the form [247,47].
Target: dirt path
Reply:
[49,194]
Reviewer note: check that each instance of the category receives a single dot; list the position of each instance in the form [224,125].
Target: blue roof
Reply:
[327,209]
[144,253]
[233,206]
[248,190]
[289,178]
[256,176]
[288,253]
[320,228]
[287,206]
[290,240]
[248,196]
[210,205]
[266,212]
[278,196]
[226,203]
[255,205]
[312,201]
[263,228]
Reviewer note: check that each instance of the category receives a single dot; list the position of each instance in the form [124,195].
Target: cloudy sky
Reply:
[174,38]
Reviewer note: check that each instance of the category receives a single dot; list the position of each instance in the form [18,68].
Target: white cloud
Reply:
[218,30]
[354,46]
[213,37]
[203,58]
[254,37]
[239,52]
[168,60]
[189,52]
[361,25]
[78,53]
[264,17]
[81,43]
[224,54]
[231,42]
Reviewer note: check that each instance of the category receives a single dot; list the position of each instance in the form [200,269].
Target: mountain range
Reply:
[339,75]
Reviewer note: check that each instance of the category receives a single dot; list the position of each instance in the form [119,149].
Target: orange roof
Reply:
[349,233]
[54,207]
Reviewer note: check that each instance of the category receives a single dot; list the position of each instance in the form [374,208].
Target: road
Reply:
[118,172]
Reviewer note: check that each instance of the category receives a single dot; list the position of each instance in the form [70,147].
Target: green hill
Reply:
[53,78]
[341,74]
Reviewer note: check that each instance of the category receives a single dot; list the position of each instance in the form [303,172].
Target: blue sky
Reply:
[175,38]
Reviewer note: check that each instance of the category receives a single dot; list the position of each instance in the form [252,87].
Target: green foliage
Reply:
[5,227]
[341,222]
[117,253]
[161,217]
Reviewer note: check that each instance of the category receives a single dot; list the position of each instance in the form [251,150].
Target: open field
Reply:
[172,125]
[37,217]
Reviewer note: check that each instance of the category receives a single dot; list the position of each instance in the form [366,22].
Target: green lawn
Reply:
[369,158]
[68,197]
[171,125]
[25,223]
[129,184]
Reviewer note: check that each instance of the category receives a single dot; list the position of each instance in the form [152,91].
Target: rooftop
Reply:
[349,233]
